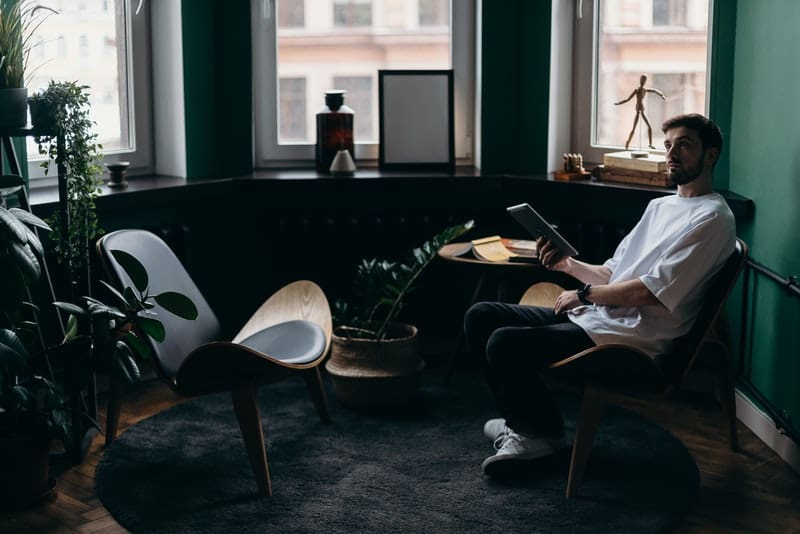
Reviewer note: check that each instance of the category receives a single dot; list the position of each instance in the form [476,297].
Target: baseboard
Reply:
[764,427]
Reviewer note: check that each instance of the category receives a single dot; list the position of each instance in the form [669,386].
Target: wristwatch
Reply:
[582,295]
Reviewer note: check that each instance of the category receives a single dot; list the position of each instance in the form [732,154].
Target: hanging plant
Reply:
[67,107]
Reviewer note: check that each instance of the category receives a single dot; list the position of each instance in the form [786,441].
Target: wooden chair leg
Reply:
[727,397]
[247,412]
[313,380]
[112,412]
[588,420]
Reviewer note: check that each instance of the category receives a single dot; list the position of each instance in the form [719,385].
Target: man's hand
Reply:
[566,301]
[549,255]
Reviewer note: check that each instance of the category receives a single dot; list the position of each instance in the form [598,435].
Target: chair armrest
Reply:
[612,366]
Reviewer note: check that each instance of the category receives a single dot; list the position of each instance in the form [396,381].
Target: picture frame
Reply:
[416,120]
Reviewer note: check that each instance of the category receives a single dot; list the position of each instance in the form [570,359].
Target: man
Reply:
[646,295]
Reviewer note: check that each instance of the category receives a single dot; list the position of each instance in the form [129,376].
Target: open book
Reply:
[496,248]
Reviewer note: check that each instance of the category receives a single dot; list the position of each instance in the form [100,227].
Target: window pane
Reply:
[381,35]
[85,42]
[666,40]
[434,12]
[291,14]
[293,108]
[359,96]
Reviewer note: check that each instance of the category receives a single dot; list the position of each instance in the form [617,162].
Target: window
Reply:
[293,108]
[390,34]
[666,40]
[350,13]
[291,13]
[118,78]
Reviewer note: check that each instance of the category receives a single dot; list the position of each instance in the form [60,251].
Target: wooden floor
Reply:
[750,491]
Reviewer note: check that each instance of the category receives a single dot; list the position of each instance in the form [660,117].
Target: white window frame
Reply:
[268,153]
[584,97]
[140,156]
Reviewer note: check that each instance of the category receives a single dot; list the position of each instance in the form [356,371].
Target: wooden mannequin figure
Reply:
[640,92]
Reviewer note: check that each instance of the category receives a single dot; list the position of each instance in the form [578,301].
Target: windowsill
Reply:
[140,187]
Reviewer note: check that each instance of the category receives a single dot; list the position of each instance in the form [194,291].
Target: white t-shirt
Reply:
[676,247]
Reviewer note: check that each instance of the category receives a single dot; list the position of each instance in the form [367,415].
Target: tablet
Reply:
[538,227]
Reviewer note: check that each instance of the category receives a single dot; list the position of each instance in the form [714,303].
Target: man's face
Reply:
[686,157]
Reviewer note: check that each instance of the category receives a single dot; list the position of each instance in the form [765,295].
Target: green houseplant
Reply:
[19,19]
[64,106]
[374,363]
[32,409]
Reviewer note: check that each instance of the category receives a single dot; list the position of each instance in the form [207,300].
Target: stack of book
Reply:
[624,167]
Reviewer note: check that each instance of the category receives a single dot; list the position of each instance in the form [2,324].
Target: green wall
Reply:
[217,88]
[765,166]
[515,80]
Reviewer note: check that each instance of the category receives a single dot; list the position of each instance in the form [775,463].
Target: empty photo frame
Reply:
[416,120]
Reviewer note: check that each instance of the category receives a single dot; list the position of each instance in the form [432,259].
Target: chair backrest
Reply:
[686,349]
[166,273]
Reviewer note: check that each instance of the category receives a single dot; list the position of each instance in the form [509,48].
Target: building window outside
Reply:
[434,13]
[359,98]
[293,109]
[328,58]
[666,40]
[116,85]
[291,13]
[352,13]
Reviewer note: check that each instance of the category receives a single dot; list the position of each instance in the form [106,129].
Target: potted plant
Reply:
[65,109]
[374,363]
[32,409]
[19,19]
[117,330]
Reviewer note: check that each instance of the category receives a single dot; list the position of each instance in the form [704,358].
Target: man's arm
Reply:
[629,294]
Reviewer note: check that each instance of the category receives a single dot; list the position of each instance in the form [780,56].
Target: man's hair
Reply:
[709,133]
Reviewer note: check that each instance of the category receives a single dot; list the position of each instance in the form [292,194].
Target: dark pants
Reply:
[519,341]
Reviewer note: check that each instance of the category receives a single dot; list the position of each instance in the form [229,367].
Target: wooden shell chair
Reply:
[290,332]
[610,369]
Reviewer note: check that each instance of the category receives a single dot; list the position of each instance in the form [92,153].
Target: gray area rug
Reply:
[185,470]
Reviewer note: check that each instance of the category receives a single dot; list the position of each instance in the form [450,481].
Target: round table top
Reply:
[460,252]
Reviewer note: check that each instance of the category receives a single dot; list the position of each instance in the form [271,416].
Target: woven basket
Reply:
[372,374]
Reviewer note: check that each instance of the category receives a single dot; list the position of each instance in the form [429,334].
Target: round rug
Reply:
[186,470]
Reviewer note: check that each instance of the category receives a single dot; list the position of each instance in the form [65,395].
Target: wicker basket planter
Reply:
[372,375]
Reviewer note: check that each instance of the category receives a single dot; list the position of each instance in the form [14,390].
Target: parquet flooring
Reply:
[750,491]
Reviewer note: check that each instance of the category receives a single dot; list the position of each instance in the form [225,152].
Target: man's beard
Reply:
[683,177]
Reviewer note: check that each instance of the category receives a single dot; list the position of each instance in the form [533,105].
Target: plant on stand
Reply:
[374,363]
[19,19]
[65,107]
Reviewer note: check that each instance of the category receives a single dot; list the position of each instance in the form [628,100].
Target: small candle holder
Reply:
[116,174]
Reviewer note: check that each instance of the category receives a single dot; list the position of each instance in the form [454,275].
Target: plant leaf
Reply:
[12,227]
[26,260]
[139,347]
[115,292]
[177,303]
[124,365]
[29,218]
[133,268]
[152,327]
[13,355]
[70,308]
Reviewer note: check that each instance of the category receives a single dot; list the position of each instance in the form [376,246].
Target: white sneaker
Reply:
[513,447]
[494,428]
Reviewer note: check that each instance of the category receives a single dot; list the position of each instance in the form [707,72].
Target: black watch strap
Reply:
[582,295]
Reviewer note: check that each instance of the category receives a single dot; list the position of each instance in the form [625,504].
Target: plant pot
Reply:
[25,466]
[13,107]
[41,113]
[373,375]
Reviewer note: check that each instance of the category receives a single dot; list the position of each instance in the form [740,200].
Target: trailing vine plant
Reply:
[65,105]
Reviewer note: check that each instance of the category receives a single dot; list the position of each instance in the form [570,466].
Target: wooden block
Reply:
[625,160]
[570,176]
[657,179]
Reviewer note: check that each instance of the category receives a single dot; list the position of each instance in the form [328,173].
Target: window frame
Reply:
[269,154]
[584,97]
[137,56]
